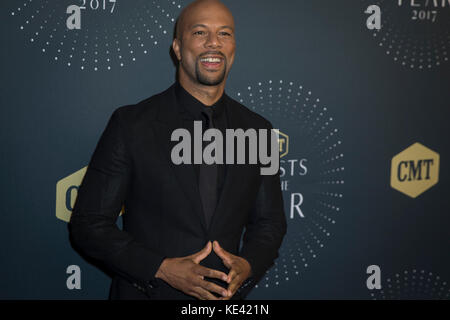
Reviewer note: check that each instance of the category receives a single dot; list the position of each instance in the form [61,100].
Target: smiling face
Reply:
[205,43]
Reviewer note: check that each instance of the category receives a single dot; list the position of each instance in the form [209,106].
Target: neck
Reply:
[208,95]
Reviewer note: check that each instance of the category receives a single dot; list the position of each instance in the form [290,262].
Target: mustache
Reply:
[209,53]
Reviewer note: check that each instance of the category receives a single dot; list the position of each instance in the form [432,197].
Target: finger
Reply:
[222,253]
[202,254]
[234,285]
[195,295]
[212,287]
[231,275]
[204,294]
[210,273]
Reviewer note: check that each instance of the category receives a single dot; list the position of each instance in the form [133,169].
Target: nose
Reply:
[213,41]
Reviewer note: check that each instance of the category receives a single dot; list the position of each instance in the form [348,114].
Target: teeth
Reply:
[211,60]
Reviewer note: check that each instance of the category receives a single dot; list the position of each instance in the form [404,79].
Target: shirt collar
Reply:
[193,106]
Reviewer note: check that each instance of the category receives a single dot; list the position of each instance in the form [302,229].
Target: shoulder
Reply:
[145,110]
[251,117]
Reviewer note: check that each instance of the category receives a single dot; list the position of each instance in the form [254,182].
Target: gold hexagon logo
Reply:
[415,170]
[66,194]
[283,142]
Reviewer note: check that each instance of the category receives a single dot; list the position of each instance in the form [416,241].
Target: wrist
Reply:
[160,273]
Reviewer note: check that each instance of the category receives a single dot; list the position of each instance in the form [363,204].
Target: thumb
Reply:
[202,254]
[223,254]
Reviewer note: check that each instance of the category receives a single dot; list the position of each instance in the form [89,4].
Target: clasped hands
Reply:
[187,275]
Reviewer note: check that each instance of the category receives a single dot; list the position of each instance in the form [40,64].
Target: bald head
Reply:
[197,7]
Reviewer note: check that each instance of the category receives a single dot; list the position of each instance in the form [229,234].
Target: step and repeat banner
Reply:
[359,91]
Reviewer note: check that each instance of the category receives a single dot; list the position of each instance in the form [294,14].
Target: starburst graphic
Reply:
[106,40]
[415,37]
[313,136]
[413,285]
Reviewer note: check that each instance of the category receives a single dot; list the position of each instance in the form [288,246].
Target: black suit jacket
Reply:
[163,217]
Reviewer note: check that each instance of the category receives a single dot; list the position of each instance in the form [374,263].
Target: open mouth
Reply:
[212,62]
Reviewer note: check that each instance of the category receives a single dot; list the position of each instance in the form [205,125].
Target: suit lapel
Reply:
[233,172]
[168,121]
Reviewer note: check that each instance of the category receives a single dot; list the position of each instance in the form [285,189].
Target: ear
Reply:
[176,48]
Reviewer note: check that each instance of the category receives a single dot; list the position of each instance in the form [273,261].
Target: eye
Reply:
[225,34]
[199,33]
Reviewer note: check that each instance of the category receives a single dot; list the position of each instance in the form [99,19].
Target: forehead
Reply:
[210,15]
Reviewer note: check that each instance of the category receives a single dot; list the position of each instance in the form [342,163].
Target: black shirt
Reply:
[191,110]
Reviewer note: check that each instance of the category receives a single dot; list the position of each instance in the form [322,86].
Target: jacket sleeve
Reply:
[93,229]
[264,231]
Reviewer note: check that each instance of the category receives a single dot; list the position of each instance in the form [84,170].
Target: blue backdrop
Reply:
[347,99]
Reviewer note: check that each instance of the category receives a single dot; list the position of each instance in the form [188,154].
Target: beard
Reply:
[210,78]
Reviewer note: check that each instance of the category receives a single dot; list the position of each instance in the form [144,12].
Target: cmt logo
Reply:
[415,170]
[66,194]
[283,142]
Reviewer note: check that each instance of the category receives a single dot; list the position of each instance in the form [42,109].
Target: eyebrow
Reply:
[204,26]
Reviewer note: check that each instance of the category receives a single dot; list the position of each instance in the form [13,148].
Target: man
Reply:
[182,224]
